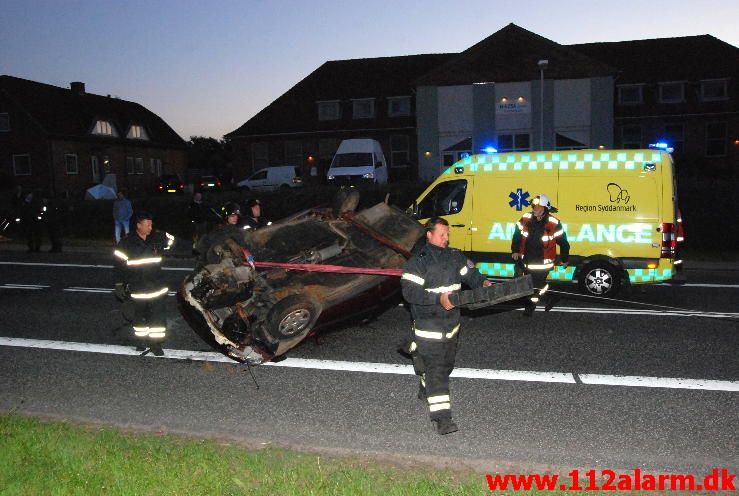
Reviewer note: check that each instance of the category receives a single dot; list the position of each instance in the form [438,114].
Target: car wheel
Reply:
[599,279]
[292,316]
[284,187]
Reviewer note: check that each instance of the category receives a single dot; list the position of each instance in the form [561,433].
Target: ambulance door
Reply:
[501,200]
[451,200]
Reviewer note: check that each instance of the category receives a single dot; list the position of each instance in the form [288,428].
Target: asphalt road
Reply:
[588,385]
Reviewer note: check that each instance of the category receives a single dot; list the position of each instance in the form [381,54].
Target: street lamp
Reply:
[543,63]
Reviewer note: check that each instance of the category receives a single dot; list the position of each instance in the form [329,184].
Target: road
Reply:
[587,386]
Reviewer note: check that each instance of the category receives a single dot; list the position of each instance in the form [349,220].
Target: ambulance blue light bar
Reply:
[490,149]
[661,145]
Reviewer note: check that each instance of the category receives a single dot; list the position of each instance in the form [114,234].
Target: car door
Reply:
[258,180]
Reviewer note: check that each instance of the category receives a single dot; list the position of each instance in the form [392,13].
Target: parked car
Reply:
[209,183]
[170,184]
[272,178]
[256,314]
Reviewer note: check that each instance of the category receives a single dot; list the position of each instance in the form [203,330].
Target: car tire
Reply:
[599,278]
[291,317]
[284,187]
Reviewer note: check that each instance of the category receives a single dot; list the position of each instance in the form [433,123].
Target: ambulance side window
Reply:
[446,198]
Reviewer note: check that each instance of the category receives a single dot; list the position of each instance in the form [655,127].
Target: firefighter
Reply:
[139,259]
[253,219]
[534,246]
[429,277]
[229,228]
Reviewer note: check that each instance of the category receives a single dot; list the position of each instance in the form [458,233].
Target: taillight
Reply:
[218,183]
[680,231]
[182,186]
[669,243]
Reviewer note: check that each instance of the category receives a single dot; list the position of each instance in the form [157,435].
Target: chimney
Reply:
[77,87]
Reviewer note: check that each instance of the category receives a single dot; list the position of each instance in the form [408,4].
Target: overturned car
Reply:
[256,295]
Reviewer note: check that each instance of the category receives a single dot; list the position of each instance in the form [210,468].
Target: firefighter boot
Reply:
[445,425]
[528,309]
[551,301]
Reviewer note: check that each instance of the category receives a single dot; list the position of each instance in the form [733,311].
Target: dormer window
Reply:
[137,132]
[363,108]
[104,128]
[711,90]
[399,106]
[329,110]
[673,92]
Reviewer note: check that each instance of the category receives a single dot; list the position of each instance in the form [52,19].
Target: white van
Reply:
[272,178]
[356,161]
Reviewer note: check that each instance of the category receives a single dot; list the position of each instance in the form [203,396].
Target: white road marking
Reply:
[84,266]
[188,269]
[390,368]
[24,286]
[580,310]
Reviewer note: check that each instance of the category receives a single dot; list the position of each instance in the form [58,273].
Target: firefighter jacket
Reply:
[139,263]
[426,276]
[537,241]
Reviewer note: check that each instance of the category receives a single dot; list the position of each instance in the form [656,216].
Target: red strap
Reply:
[337,269]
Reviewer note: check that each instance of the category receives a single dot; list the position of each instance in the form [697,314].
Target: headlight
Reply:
[330,178]
[369,175]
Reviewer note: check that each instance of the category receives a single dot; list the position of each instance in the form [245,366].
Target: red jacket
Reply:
[553,235]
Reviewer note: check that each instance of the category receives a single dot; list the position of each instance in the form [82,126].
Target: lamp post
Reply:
[543,63]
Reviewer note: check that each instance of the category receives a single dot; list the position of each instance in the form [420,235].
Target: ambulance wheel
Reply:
[599,279]
[291,317]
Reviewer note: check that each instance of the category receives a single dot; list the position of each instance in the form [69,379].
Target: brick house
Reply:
[66,140]
[430,109]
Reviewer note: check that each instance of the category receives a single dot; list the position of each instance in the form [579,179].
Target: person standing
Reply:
[534,245]
[31,222]
[253,219]
[429,277]
[199,214]
[139,263]
[122,212]
[51,216]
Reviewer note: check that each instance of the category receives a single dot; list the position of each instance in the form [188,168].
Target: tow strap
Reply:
[337,269]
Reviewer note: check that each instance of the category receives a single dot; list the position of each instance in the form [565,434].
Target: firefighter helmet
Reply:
[230,208]
[542,200]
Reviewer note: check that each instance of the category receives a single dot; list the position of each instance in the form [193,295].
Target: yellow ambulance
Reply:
[618,208]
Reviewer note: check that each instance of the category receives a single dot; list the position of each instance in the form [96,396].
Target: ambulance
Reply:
[618,208]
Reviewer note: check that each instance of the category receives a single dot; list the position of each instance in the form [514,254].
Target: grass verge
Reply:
[59,458]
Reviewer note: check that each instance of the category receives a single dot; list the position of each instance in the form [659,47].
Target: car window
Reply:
[259,175]
[446,198]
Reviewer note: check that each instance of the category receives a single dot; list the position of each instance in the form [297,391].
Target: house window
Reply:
[104,128]
[399,150]
[329,110]
[22,165]
[155,166]
[4,122]
[630,94]
[137,132]
[675,136]
[631,137]
[714,89]
[514,142]
[139,165]
[327,148]
[129,166]
[107,165]
[70,160]
[715,139]
[399,106]
[671,92]
[363,109]
[259,155]
[293,153]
